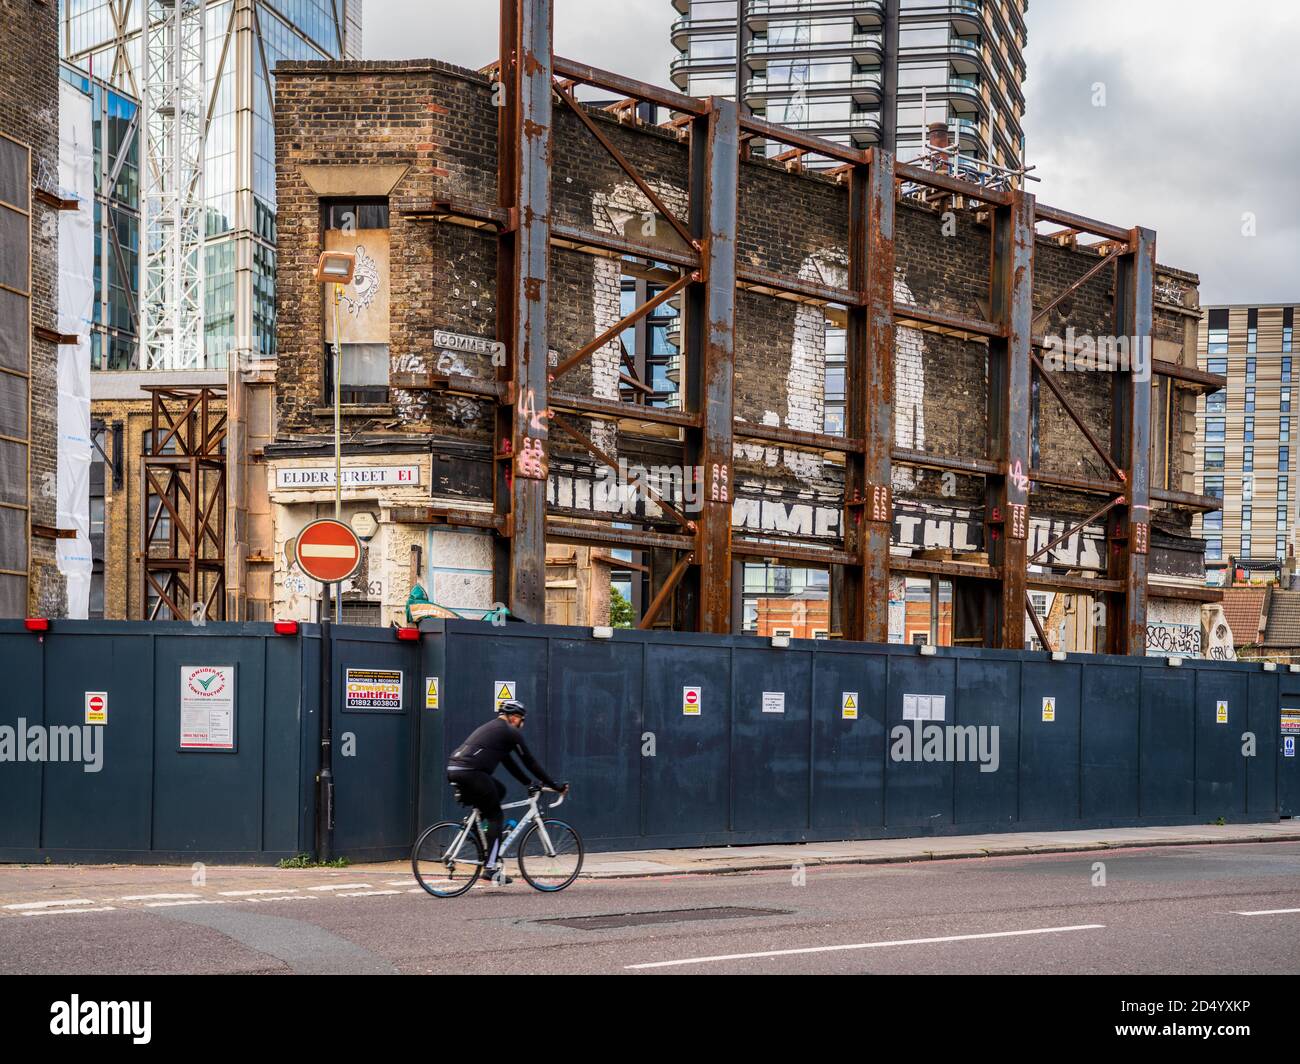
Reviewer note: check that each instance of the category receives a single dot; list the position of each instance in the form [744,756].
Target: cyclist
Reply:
[473,762]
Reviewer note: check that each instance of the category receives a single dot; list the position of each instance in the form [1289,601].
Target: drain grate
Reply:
[661,916]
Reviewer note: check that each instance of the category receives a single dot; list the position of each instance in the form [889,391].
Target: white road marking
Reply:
[290,897]
[64,912]
[865,945]
[366,893]
[194,901]
[399,882]
[1267,912]
[247,893]
[340,886]
[49,904]
[151,897]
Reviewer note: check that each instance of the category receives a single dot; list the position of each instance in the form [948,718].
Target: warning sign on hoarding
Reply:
[773,701]
[1221,711]
[431,692]
[691,701]
[502,691]
[1291,721]
[373,691]
[1049,710]
[96,707]
[849,705]
[207,707]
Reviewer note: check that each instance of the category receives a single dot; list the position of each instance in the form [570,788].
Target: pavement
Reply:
[722,859]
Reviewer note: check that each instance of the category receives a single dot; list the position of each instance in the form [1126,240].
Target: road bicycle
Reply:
[448,857]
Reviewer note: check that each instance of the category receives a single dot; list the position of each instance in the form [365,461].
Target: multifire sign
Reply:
[327,551]
[372,690]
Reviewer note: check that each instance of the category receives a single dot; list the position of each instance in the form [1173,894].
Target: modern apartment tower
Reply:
[1246,455]
[864,72]
[203,71]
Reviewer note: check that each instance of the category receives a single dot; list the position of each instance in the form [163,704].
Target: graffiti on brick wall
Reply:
[1174,640]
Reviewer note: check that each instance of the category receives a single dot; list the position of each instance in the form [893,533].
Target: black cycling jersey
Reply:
[491,745]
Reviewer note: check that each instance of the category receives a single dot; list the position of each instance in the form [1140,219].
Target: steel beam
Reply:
[523,279]
[1129,527]
[1011,299]
[709,334]
[868,505]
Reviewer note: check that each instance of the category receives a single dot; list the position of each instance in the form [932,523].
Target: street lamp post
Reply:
[336,268]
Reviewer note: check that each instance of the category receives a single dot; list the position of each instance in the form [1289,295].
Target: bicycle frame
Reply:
[534,813]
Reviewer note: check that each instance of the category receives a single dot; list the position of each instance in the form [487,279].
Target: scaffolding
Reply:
[183,506]
[173,222]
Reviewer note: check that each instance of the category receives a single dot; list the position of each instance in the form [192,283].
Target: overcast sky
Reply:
[1200,127]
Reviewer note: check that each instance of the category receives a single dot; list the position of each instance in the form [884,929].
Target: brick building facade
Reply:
[406,135]
[30,582]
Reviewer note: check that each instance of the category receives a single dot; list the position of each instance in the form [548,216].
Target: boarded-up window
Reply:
[361,228]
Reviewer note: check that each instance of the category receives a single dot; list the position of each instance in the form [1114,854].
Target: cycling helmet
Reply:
[511,706]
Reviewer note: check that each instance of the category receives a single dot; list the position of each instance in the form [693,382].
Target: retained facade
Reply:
[397,163]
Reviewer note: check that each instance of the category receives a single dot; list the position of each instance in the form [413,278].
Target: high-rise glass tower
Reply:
[203,71]
[864,72]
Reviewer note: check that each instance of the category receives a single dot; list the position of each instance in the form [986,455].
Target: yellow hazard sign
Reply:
[849,705]
[431,692]
[1049,710]
[503,691]
[1221,711]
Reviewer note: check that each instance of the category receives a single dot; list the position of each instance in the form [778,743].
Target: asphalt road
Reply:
[1160,910]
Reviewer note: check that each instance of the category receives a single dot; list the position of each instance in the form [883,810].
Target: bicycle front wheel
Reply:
[550,855]
[444,863]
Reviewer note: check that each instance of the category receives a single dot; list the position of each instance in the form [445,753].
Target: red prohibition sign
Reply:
[328,551]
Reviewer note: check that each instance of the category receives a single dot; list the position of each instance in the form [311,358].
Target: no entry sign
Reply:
[328,551]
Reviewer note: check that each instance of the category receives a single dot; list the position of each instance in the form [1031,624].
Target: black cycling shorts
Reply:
[479,789]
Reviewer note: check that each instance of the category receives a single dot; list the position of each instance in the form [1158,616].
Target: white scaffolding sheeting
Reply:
[76,307]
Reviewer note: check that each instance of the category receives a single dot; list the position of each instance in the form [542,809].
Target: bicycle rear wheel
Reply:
[445,873]
[552,867]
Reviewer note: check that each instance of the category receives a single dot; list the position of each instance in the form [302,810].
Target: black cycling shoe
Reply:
[497,876]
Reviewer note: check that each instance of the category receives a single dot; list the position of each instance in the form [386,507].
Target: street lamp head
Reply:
[335,267]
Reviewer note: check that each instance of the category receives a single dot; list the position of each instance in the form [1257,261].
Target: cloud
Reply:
[1198,127]
[1195,131]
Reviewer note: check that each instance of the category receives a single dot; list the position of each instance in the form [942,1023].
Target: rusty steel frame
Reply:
[1006,505]
[523,278]
[869,385]
[189,578]
[700,581]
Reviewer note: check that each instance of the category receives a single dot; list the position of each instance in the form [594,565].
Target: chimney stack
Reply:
[938,135]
